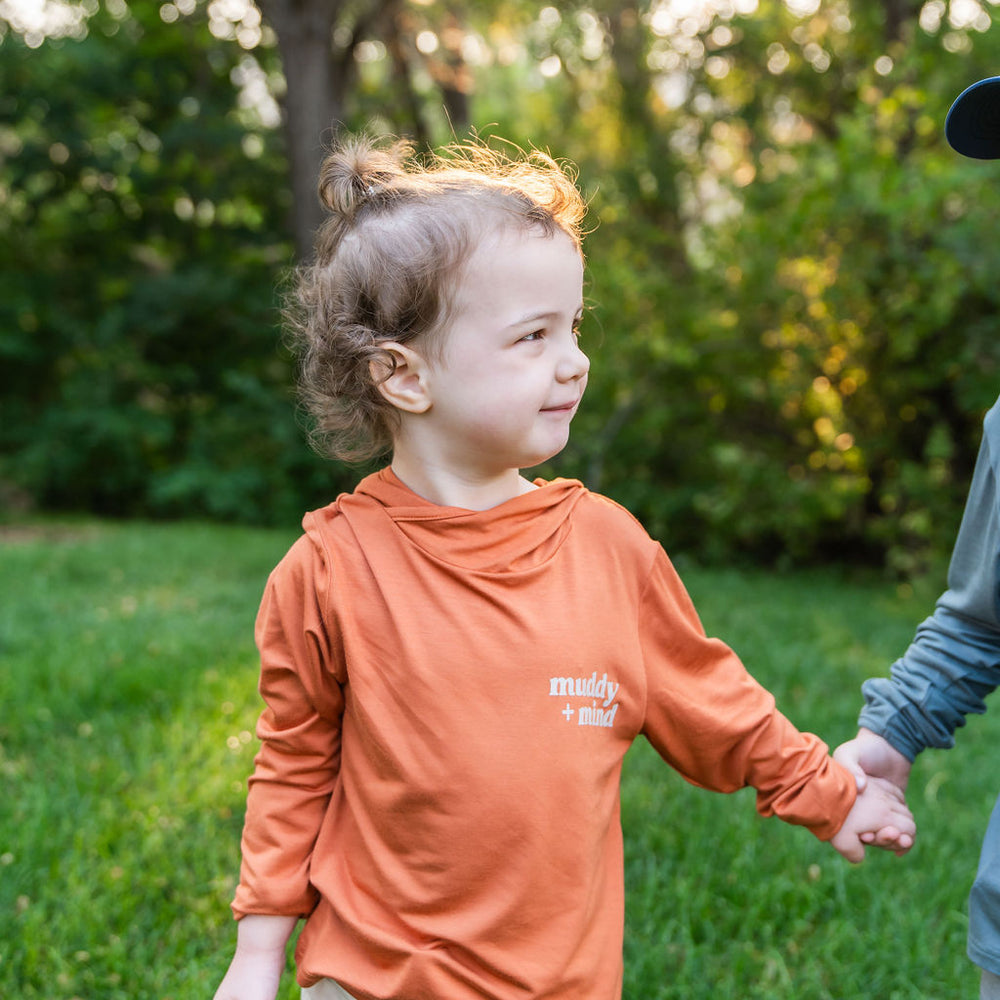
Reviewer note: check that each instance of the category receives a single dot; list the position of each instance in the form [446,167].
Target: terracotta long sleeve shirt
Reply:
[449,697]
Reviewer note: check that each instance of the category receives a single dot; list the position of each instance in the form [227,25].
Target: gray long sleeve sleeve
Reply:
[953,662]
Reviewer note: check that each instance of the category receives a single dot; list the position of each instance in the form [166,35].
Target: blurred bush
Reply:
[792,278]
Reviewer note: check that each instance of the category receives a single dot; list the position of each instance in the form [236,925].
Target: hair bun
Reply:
[358,170]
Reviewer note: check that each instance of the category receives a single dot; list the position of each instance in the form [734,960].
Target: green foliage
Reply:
[129,692]
[795,291]
[792,278]
[141,242]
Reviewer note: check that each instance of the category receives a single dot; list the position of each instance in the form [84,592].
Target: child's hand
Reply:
[871,754]
[879,817]
[255,971]
[251,978]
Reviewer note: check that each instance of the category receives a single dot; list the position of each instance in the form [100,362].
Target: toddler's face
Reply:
[511,374]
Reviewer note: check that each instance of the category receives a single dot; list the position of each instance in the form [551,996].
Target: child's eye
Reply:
[534,335]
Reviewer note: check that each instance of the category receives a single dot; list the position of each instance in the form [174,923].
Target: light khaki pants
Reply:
[325,989]
[989,986]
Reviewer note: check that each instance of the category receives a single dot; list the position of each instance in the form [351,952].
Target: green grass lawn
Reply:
[128,694]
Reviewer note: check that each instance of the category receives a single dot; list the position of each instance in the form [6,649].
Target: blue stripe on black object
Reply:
[973,123]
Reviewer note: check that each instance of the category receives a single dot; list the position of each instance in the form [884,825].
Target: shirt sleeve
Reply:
[709,719]
[299,729]
[953,662]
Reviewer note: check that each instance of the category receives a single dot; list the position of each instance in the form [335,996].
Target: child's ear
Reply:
[401,378]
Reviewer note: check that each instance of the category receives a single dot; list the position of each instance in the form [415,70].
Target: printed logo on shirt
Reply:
[600,693]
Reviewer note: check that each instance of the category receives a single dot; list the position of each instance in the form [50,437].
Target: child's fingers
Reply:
[855,853]
[890,838]
[847,755]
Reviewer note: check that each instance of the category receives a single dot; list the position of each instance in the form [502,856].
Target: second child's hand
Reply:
[871,754]
[879,817]
[868,756]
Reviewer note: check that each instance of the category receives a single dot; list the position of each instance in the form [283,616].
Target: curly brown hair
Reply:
[398,230]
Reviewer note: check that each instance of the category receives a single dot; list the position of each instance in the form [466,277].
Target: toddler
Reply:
[455,658]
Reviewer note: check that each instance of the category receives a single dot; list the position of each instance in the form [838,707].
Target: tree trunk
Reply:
[313,101]
[898,13]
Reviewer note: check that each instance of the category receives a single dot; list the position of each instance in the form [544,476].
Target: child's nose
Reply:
[574,365]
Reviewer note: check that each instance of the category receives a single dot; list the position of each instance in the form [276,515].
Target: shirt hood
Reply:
[519,534]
